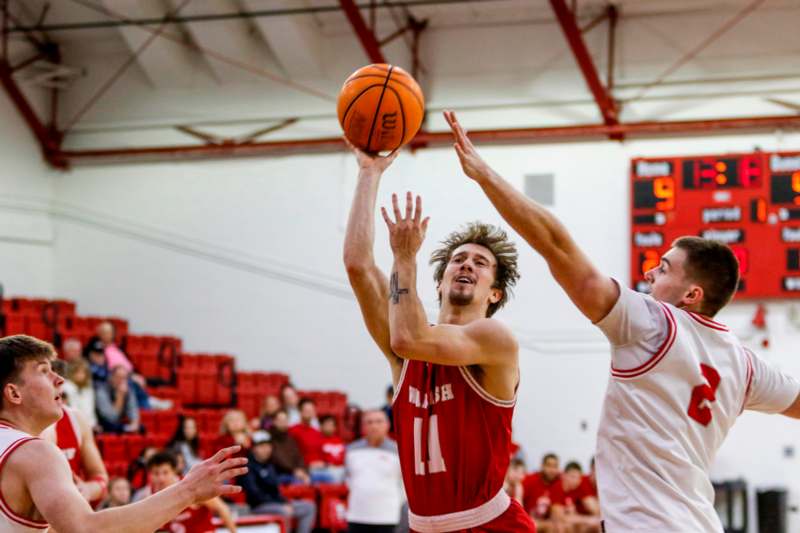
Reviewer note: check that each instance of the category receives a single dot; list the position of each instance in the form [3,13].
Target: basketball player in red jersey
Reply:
[36,486]
[75,439]
[455,381]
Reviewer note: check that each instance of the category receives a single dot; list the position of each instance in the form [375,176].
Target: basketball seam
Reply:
[378,107]
[394,80]
[402,117]
[353,101]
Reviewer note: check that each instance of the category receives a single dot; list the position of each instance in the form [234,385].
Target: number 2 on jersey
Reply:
[435,463]
[703,394]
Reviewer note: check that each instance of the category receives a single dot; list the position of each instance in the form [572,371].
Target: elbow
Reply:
[402,346]
[355,263]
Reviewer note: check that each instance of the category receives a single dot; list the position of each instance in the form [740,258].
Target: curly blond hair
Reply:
[496,241]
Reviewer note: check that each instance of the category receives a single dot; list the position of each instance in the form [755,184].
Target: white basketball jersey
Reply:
[667,411]
[10,440]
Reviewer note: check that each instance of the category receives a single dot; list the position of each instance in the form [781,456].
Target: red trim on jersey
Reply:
[4,507]
[659,355]
[400,381]
[749,378]
[480,391]
[704,320]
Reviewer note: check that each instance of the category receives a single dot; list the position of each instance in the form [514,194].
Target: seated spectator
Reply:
[261,486]
[307,436]
[332,448]
[573,502]
[114,356]
[97,362]
[78,390]
[186,442]
[271,406]
[538,491]
[290,402]
[514,478]
[286,454]
[234,430]
[162,470]
[71,350]
[117,409]
[137,472]
[119,493]
[374,478]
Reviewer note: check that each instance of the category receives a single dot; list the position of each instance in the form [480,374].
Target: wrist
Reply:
[486,176]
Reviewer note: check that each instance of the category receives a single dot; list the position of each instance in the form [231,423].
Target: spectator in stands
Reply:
[290,402]
[97,362]
[271,406]
[387,408]
[286,454]
[71,350]
[309,439]
[374,478]
[186,442]
[162,470]
[78,390]
[537,498]
[514,478]
[137,472]
[261,486]
[333,448]
[117,409]
[119,493]
[234,430]
[573,502]
[106,339]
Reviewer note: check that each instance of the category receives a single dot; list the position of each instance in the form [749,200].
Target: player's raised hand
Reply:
[208,479]
[371,162]
[406,232]
[472,163]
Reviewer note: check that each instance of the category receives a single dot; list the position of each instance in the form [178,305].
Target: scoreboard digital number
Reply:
[749,201]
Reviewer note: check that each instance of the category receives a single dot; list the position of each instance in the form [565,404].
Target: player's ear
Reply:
[693,296]
[12,394]
[495,296]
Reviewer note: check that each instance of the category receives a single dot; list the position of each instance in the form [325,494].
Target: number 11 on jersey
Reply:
[435,463]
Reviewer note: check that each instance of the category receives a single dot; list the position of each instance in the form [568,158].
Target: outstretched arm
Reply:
[369,284]
[592,292]
[482,342]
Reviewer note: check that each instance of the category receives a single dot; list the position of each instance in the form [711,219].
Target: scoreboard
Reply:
[749,201]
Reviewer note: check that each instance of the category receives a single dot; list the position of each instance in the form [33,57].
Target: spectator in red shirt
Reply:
[332,448]
[234,430]
[537,494]
[573,502]
[310,440]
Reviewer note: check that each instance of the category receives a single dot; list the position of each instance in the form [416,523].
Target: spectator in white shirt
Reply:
[78,390]
[373,475]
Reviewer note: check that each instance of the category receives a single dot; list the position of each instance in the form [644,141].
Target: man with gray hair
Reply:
[374,478]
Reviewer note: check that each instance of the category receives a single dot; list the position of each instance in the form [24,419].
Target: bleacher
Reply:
[200,385]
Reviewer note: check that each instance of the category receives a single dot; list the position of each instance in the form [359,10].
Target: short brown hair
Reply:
[712,265]
[17,350]
[488,236]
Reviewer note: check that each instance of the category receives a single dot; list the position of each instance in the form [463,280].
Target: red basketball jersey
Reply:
[68,440]
[454,442]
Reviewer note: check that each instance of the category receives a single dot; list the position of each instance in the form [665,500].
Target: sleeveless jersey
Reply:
[68,440]
[454,443]
[192,520]
[10,440]
[664,420]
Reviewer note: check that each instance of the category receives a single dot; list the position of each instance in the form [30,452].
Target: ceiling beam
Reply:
[605,102]
[365,35]
[442,138]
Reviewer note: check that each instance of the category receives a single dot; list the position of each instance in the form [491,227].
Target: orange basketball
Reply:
[380,108]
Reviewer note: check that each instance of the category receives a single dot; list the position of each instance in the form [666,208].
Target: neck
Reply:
[26,424]
[460,315]
[375,441]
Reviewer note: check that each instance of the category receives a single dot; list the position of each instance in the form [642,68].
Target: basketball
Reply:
[380,108]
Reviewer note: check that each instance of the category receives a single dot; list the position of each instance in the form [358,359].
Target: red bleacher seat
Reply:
[333,507]
[299,492]
[112,448]
[15,324]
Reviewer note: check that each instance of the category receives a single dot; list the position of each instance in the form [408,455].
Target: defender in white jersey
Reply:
[678,378]
[36,487]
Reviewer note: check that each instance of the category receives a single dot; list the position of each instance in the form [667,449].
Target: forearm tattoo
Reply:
[395,290]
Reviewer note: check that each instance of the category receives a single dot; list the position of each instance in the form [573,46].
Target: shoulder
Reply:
[493,331]
[34,454]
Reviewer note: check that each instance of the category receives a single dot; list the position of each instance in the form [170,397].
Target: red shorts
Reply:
[513,520]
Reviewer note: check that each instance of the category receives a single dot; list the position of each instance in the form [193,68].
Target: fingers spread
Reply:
[225,452]
[230,489]
[386,218]
[396,207]
[418,210]
[409,205]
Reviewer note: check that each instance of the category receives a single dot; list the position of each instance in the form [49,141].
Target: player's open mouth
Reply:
[465,279]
